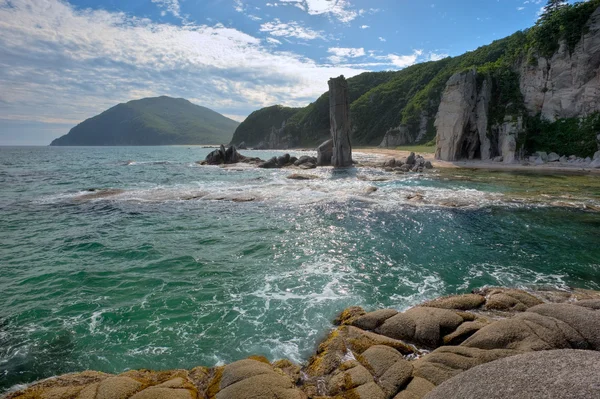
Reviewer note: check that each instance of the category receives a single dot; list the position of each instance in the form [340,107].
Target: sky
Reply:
[62,62]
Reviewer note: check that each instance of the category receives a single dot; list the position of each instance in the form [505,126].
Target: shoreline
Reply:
[548,168]
[382,354]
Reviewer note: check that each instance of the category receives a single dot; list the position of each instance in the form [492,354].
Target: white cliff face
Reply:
[567,85]
[481,114]
[463,127]
[454,115]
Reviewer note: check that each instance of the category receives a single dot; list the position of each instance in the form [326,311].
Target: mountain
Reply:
[152,121]
[541,80]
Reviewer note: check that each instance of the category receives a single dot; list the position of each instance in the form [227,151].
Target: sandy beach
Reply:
[554,167]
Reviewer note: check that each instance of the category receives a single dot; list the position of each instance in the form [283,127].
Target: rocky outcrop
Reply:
[339,117]
[463,122]
[531,375]
[396,137]
[325,153]
[494,342]
[566,85]
[224,155]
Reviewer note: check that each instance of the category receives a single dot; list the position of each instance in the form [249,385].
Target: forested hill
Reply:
[152,121]
[406,102]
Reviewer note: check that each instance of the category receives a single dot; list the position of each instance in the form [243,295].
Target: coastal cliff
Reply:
[423,352]
[536,90]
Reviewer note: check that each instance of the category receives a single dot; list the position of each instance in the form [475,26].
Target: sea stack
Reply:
[339,117]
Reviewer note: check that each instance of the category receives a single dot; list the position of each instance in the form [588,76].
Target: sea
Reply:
[118,258]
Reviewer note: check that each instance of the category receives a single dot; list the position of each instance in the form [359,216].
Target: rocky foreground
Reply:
[492,343]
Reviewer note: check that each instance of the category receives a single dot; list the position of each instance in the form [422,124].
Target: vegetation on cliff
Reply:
[152,121]
[384,100]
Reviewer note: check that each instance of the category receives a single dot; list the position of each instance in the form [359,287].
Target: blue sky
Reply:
[64,61]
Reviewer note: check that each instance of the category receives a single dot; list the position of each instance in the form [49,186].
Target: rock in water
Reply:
[325,153]
[224,156]
[339,117]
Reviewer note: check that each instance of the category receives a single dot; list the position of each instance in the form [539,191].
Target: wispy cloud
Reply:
[171,6]
[60,62]
[290,29]
[338,9]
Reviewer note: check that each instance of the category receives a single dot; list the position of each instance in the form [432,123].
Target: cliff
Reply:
[152,121]
[491,343]
[526,89]
[540,89]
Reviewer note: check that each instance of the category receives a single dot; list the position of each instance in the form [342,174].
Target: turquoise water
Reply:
[169,264]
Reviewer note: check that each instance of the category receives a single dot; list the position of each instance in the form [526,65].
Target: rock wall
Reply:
[564,86]
[339,117]
[568,84]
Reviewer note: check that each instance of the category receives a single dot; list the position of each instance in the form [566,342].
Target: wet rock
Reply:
[371,189]
[411,160]
[270,164]
[390,163]
[308,165]
[325,153]
[296,176]
[428,165]
[551,375]
[305,159]
[224,155]
[283,160]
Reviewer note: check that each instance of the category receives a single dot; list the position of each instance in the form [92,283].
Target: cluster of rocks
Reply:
[412,163]
[541,157]
[285,160]
[446,348]
[227,156]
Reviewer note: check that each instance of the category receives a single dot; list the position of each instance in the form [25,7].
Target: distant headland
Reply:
[151,121]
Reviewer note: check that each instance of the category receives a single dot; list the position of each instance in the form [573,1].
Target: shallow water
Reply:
[168,264]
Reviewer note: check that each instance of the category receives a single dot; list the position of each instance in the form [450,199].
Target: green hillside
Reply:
[152,121]
[380,101]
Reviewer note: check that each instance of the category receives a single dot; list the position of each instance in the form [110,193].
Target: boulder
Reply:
[224,155]
[542,155]
[421,325]
[372,320]
[389,368]
[457,302]
[553,157]
[283,160]
[428,165]
[325,153]
[411,160]
[549,375]
[449,361]
[270,164]
[563,159]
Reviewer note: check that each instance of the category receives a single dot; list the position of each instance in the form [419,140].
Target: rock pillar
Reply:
[339,117]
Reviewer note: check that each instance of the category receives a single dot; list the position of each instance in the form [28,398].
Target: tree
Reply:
[551,7]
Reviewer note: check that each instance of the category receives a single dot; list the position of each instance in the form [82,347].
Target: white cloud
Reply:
[171,6]
[67,63]
[340,54]
[290,29]
[338,9]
